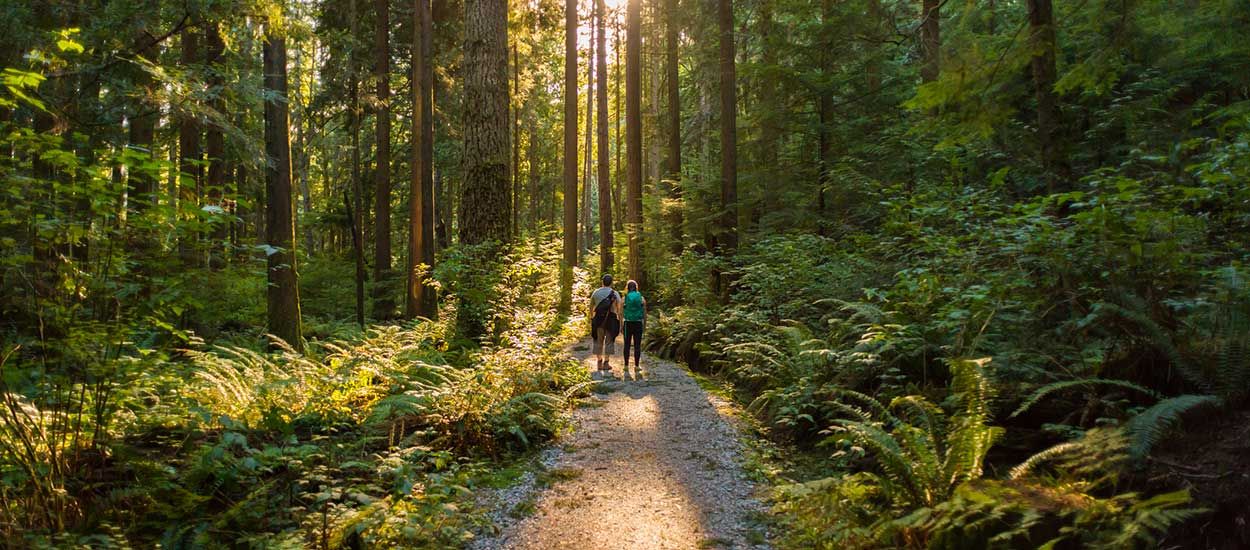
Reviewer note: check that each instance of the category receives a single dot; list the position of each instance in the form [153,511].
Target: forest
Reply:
[308,273]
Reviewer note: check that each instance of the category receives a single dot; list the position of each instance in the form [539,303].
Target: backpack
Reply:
[604,316]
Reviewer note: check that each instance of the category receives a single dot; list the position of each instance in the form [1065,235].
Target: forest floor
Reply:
[652,461]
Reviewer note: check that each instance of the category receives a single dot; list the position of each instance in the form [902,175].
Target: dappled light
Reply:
[617,274]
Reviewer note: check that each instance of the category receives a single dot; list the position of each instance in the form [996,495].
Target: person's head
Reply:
[631,286]
[607,280]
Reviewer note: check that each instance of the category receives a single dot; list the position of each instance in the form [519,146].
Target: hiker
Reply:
[605,323]
[635,315]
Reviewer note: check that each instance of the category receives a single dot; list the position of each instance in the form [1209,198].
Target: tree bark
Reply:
[1042,42]
[673,91]
[728,239]
[485,205]
[421,298]
[824,110]
[930,40]
[605,178]
[570,154]
[189,173]
[215,146]
[383,303]
[355,212]
[633,137]
[586,223]
[283,291]
[516,146]
[618,190]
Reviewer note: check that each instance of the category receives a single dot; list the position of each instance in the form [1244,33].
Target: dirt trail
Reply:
[652,463]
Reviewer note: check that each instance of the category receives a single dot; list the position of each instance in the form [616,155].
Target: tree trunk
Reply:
[587,224]
[633,138]
[618,190]
[728,239]
[355,212]
[421,298]
[930,40]
[516,146]
[570,154]
[215,146]
[1042,42]
[484,198]
[605,178]
[673,90]
[824,112]
[383,301]
[283,291]
[189,153]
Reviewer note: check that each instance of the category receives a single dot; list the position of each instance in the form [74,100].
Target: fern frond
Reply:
[1153,424]
[1054,387]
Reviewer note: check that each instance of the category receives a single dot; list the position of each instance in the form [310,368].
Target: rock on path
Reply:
[652,463]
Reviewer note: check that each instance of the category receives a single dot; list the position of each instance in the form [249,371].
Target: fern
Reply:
[1154,424]
[1055,387]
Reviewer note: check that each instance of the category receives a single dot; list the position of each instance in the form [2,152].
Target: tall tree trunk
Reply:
[1042,42]
[383,301]
[618,189]
[605,178]
[516,145]
[930,40]
[189,155]
[283,290]
[633,138]
[142,117]
[484,202]
[673,90]
[570,154]
[824,111]
[728,239]
[215,146]
[355,212]
[421,298]
[587,223]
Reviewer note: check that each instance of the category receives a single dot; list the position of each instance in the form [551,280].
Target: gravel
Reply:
[653,462]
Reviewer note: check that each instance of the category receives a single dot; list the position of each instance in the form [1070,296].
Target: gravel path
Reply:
[651,463]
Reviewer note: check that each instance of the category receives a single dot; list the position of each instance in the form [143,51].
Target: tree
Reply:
[355,206]
[605,179]
[728,238]
[586,230]
[215,146]
[485,205]
[421,299]
[930,40]
[570,155]
[1042,44]
[283,292]
[382,301]
[672,88]
[189,151]
[633,136]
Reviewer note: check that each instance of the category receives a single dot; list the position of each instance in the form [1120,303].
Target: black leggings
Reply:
[633,331]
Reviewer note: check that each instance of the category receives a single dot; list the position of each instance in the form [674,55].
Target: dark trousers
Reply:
[633,333]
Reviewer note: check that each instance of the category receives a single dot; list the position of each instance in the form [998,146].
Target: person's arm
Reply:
[619,307]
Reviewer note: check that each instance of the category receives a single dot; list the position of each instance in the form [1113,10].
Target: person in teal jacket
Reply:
[635,314]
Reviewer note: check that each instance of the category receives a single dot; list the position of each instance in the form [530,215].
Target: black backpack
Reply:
[604,306]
